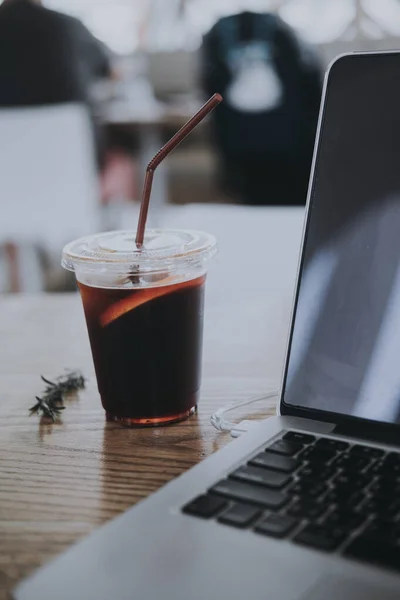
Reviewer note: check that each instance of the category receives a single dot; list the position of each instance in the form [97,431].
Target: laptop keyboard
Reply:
[316,491]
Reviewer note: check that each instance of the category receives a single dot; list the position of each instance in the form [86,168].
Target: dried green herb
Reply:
[46,409]
[51,402]
[72,381]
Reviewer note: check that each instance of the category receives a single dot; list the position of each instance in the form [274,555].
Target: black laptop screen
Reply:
[344,355]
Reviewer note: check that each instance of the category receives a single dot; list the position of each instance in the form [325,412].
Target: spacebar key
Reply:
[250,493]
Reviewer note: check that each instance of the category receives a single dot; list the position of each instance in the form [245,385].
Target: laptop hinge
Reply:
[377,433]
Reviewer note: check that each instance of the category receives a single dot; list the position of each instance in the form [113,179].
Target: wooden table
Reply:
[60,481]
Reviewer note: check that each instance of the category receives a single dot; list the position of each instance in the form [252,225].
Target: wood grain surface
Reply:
[60,481]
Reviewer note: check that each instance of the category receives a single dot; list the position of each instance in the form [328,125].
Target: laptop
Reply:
[306,505]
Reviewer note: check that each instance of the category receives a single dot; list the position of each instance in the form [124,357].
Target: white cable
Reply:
[218,421]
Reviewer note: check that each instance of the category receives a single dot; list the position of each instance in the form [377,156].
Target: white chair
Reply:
[48,178]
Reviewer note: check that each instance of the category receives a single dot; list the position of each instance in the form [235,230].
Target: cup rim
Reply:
[195,246]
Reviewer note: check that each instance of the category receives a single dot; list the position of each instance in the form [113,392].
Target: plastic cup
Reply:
[144,314]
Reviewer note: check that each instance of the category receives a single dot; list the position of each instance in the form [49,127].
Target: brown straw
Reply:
[159,157]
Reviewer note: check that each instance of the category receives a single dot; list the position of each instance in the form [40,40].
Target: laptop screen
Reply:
[344,354]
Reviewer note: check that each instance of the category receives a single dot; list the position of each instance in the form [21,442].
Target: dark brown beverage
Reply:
[146,346]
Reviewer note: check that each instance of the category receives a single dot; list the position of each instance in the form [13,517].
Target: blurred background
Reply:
[91,89]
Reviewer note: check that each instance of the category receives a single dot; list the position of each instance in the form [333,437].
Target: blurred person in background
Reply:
[265,128]
[47,58]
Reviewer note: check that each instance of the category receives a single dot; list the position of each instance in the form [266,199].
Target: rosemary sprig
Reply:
[47,409]
[73,381]
[51,403]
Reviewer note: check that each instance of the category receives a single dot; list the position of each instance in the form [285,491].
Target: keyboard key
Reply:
[272,479]
[315,454]
[285,447]
[380,553]
[359,450]
[343,519]
[383,530]
[316,472]
[306,509]
[252,494]
[204,506]
[275,462]
[345,497]
[352,480]
[353,463]
[277,525]
[386,469]
[388,484]
[239,515]
[318,536]
[296,436]
[385,507]
[377,504]
[394,509]
[329,444]
[393,459]
[309,489]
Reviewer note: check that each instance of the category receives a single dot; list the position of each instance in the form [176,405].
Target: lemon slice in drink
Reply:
[139,297]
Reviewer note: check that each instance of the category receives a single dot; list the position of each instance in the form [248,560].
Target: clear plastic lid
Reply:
[115,253]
